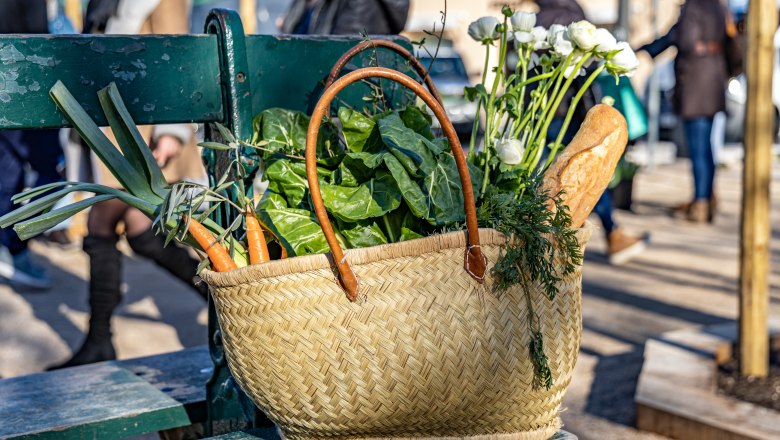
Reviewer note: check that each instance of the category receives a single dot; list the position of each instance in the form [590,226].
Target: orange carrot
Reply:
[255,240]
[219,256]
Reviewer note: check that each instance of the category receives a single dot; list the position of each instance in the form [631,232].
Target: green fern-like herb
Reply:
[541,248]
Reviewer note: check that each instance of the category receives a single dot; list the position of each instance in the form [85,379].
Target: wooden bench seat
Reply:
[109,399]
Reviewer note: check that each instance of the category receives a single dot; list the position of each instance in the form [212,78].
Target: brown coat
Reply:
[700,67]
[168,17]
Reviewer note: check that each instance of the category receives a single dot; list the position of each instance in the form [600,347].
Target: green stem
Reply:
[475,127]
[389,230]
[489,129]
[570,113]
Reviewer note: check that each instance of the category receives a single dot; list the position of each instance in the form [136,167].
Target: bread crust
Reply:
[585,167]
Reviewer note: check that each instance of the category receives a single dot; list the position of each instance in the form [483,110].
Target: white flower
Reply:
[539,34]
[583,34]
[509,151]
[558,41]
[523,21]
[606,41]
[624,62]
[523,37]
[570,71]
[484,29]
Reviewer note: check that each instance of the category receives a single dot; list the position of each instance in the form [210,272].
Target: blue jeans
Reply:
[697,133]
[40,149]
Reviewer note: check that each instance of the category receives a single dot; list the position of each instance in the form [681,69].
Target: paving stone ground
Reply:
[687,277]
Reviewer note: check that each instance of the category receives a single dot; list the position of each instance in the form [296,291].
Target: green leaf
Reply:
[38,190]
[285,131]
[215,146]
[360,132]
[408,234]
[444,192]
[418,120]
[288,178]
[38,225]
[360,166]
[297,229]
[407,146]
[362,234]
[123,170]
[129,139]
[410,189]
[371,199]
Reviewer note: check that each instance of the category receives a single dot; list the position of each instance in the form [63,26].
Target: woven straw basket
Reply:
[428,349]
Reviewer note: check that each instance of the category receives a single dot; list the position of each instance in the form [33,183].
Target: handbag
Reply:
[423,345]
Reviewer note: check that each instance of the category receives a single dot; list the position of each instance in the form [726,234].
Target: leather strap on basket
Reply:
[475,261]
[397,48]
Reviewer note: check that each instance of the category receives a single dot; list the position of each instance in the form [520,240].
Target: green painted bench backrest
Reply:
[163,78]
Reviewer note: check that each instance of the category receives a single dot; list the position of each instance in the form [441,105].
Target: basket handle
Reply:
[397,48]
[475,262]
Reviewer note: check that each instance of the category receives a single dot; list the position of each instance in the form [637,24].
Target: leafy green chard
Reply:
[389,180]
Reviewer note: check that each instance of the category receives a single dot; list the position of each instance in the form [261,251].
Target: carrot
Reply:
[219,256]
[255,240]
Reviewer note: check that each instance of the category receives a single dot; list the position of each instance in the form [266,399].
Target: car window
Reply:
[446,68]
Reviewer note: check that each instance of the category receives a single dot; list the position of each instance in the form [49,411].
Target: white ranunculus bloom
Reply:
[484,29]
[582,34]
[509,151]
[553,33]
[539,34]
[523,21]
[606,41]
[570,71]
[562,46]
[523,37]
[625,60]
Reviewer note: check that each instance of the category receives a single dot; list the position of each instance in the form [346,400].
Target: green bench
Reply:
[223,77]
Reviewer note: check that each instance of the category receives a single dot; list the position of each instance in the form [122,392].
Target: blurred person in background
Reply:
[700,68]
[346,17]
[621,246]
[174,149]
[40,150]
[201,9]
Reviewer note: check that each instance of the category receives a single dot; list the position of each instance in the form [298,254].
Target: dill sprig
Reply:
[541,248]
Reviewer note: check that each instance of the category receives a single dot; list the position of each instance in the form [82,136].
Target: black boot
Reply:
[176,260]
[105,276]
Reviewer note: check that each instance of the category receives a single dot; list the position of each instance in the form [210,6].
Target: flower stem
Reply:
[475,127]
[570,113]
[490,124]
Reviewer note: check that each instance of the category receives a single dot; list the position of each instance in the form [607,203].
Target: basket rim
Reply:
[361,256]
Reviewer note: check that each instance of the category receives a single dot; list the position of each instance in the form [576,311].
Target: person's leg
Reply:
[12,158]
[105,278]
[603,209]
[698,132]
[176,260]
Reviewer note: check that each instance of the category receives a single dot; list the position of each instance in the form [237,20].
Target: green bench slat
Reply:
[109,399]
[163,78]
[289,71]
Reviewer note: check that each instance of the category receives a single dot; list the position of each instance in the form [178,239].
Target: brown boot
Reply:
[701,211]
[624,247]
[682,211]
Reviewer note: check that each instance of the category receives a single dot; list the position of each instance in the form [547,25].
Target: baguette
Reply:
[585,167]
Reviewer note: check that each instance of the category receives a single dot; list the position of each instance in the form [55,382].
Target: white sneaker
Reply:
[21,270]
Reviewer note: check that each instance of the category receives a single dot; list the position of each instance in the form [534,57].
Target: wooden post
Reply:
[759,122]
[248,11]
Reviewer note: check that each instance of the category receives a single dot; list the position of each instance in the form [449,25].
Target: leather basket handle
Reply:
[397,48]
[475,262]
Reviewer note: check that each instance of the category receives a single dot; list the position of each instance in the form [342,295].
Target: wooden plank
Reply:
[163,78]
[248,11]
[754,252]
[74,13]
[94,401]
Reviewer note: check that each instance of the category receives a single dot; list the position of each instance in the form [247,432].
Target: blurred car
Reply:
[450,77]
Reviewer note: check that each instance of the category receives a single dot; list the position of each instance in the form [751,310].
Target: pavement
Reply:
[687,277]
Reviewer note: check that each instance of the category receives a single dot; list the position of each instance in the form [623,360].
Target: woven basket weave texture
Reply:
[429,352]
